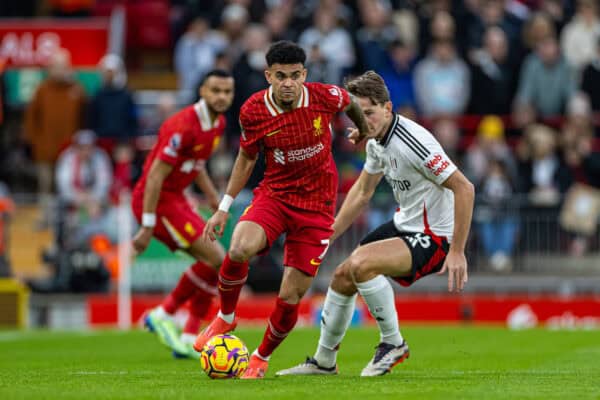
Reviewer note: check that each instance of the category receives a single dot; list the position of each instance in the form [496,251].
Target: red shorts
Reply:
[177,225]
[307,232]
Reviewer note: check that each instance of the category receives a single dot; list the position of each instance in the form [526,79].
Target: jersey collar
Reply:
[275,110]
[388,134]
[204,116]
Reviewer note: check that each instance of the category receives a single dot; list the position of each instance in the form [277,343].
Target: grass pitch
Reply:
[446,363]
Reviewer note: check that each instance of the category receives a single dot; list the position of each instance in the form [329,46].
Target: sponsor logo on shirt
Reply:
[279,156]
[305,153]
[437,164]
[297,155]
[191,165]
[399,185]
[187,166]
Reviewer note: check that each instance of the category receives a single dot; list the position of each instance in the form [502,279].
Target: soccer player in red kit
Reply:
[185,141]
[290,121]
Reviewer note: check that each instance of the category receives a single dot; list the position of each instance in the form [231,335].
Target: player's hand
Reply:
[141,240]
[354,135]
[215,225]
[456,264]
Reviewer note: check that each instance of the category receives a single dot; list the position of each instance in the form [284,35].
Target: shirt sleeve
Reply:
[373,164]
[429,158]
[334,98]
[248,137]
[173,147]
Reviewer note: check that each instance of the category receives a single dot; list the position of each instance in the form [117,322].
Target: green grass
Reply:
[446,362]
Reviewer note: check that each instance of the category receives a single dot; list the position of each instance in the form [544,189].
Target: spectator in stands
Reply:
[113,114]
[249,71]
[234,21]
[590,80]
[442,81]
[54,114]
[398,74]
[581,208]
[376,34]
[164,107]
[543,174]
[447,132]
[538,27]
[495,214]
[83,177]
[557,11]
[578,38]
[578,122]
[329,45]
[277,21]
[493,14]
[195,55]
[491,72]
[490,144]
[546,83]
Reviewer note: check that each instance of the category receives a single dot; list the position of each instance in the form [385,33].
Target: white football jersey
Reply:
[415,165]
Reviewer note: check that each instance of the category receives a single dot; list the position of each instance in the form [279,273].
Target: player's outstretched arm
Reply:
[456,262]
[242,169]
[208,188]
[159,170]
[357,198]
[354,112]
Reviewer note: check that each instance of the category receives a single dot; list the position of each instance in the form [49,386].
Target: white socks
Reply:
[335,320]
[161,313]
[187,338]
[379,296]
[226,317]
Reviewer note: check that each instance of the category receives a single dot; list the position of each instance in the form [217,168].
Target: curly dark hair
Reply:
[285,52]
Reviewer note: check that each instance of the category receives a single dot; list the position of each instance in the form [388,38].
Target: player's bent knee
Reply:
[361,269]
[240,252]
[342,281]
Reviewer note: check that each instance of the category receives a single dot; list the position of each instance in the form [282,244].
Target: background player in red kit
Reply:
[185,141]
[291,122]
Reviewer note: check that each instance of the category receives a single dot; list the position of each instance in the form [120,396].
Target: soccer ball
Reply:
[224,357]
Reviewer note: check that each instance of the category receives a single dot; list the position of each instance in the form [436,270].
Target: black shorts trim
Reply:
[428,251]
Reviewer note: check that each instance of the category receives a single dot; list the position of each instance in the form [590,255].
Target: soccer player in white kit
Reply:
[427,235]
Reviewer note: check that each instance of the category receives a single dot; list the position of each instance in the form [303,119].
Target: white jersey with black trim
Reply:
[415,165]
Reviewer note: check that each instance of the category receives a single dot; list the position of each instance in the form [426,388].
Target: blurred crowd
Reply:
[511,88]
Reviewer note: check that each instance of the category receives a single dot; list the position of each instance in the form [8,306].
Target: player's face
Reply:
[378,116]
[287,80]
[218,93]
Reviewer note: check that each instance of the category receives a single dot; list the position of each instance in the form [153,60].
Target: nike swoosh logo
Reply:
[275,132]
[224,289]
[313,262]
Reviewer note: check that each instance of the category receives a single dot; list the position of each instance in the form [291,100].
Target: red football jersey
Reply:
[185,140]
[300,170]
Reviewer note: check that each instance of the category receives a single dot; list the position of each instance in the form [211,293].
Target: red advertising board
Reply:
[515,311]
[29,43]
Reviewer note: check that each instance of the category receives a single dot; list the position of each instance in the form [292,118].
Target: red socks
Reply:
[232,277]
[282,321]
[199,306]
[199,278]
